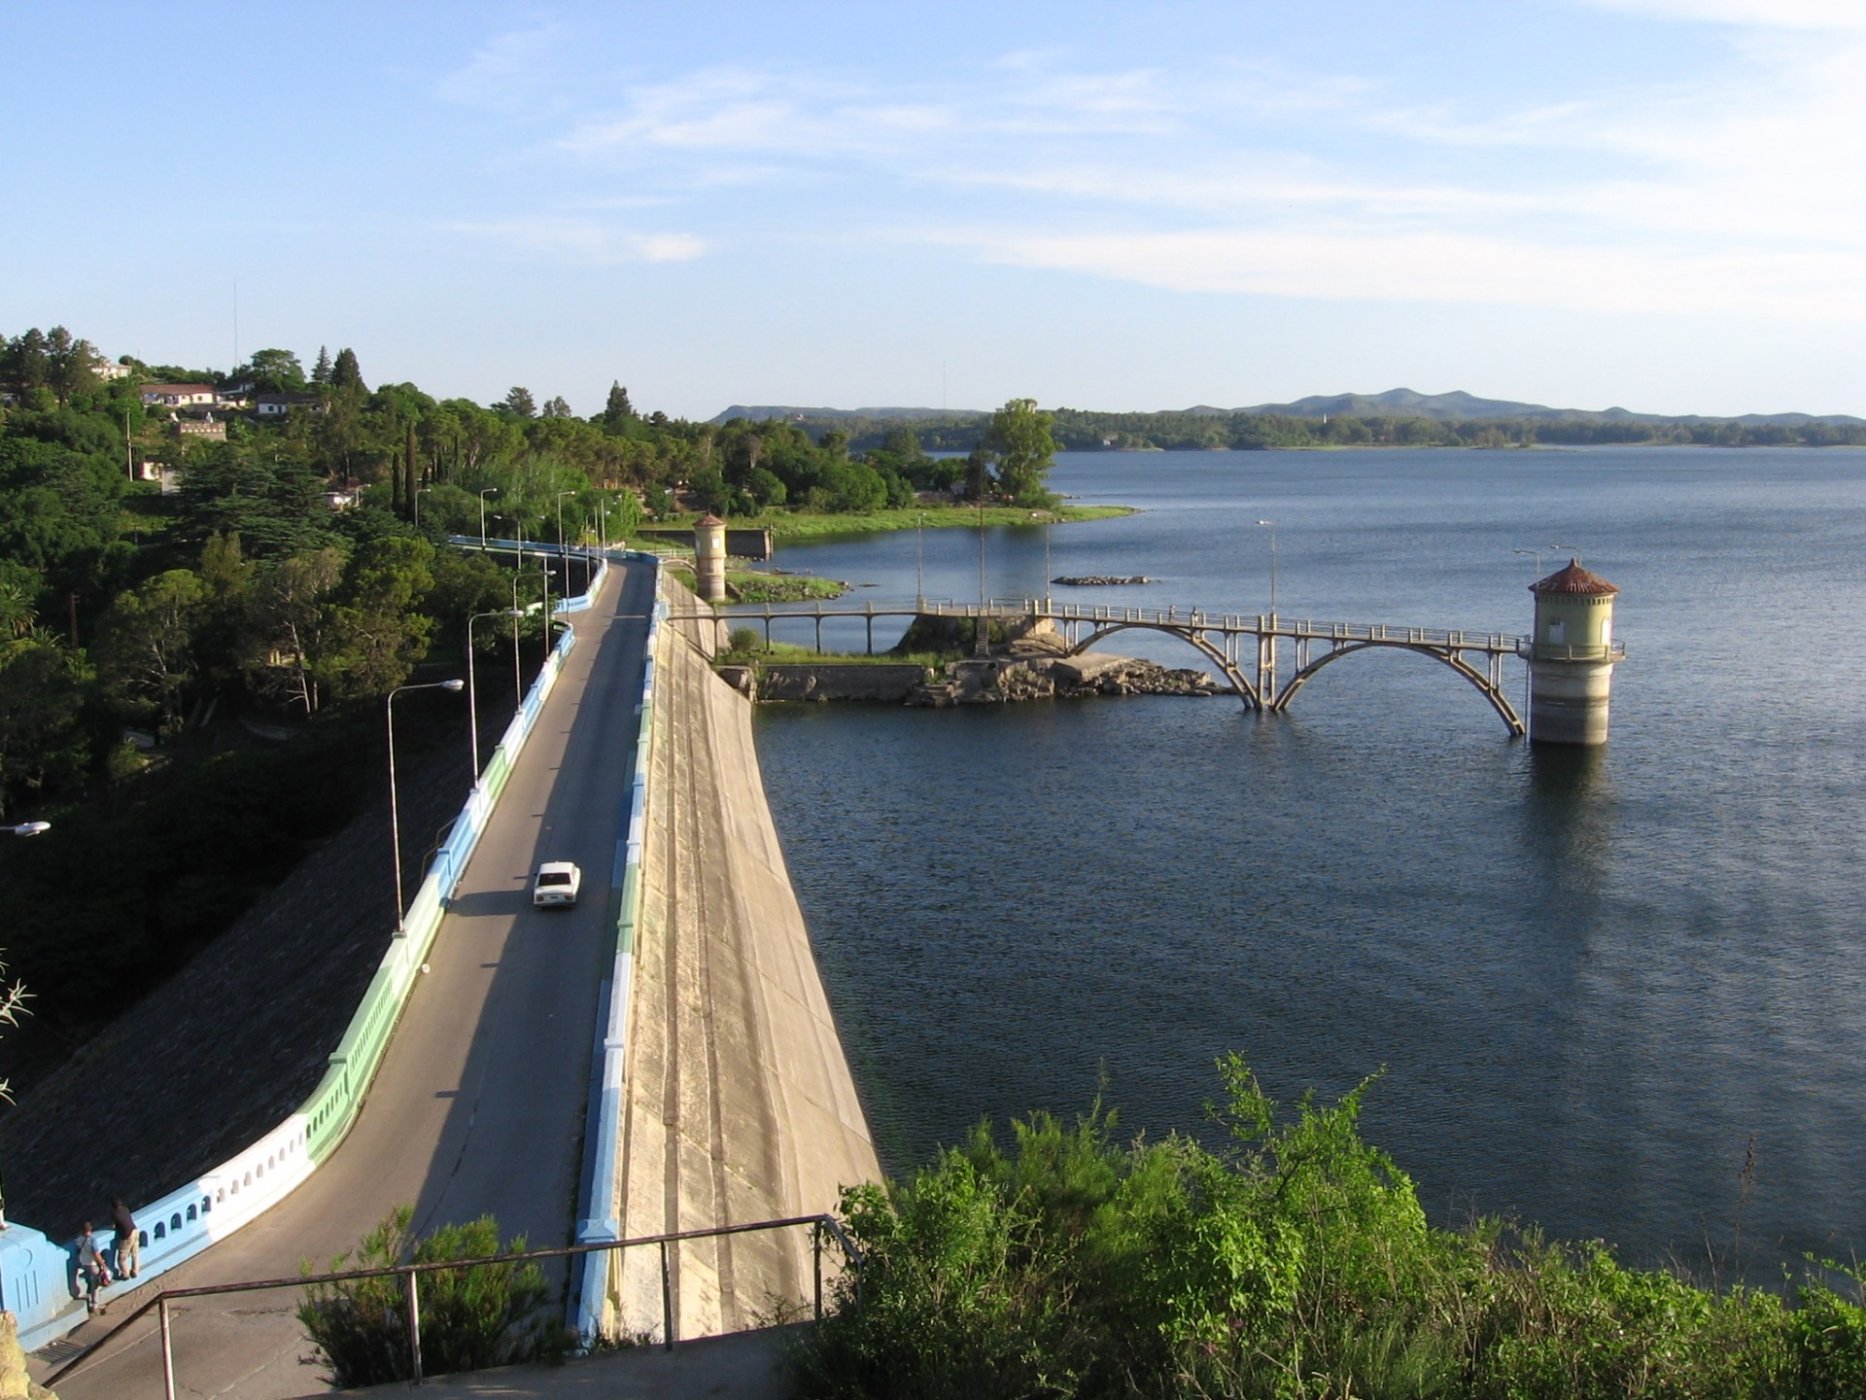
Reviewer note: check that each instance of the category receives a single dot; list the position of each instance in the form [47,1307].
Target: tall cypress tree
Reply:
[345,373]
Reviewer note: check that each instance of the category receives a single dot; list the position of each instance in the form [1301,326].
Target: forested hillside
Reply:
[191,560]
[1207,429]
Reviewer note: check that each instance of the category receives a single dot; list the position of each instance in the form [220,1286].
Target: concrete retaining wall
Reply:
[737,1104]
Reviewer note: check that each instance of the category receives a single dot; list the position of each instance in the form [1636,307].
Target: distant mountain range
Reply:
[1394,403]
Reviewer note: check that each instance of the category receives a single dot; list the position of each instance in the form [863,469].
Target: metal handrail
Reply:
[1193,618]
[822,1224]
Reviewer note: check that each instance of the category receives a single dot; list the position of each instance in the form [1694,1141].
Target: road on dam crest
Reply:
[479,1105]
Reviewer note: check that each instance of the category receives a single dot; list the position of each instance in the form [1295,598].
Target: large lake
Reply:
[1595,980]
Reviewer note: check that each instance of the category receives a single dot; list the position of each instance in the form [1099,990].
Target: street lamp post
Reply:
[1046,566]
[489,491]
[983,641]
[561,554]
[1270,525]
[920,562]
[395,823]
[472,668]
[1534,554]
[518,683]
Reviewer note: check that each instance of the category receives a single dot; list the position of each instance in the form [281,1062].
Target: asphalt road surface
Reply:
[479,1105]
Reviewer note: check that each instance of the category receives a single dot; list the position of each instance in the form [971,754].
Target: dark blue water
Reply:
[1593,978]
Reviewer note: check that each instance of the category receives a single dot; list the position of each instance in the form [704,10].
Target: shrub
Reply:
[472,1317]
[1295,1262]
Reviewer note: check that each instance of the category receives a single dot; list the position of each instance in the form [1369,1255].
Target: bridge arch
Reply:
[1483,683]
[1193,637]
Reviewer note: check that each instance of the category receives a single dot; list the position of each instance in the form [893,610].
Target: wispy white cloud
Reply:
[1432,267]
[1722,187]
[1762,14]
[586,241]
[507,70]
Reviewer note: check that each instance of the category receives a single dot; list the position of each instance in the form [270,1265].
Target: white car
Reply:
[557,885]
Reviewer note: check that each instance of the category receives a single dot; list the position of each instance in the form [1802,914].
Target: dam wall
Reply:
[736,1101]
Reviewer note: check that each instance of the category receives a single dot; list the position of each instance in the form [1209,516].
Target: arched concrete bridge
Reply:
[1227,640]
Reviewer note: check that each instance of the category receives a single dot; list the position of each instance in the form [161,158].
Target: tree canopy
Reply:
[1022,451]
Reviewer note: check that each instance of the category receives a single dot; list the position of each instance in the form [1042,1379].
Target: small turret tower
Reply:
[1571,657]
[709,558]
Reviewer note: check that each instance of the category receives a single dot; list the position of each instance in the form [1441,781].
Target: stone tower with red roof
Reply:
[1571,657]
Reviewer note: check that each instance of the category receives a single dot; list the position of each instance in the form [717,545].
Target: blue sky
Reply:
[1652,203]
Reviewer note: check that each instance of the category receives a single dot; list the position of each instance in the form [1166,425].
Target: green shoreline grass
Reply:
[791,527]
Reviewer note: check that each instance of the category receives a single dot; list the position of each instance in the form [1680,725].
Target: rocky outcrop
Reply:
[994,680]
[15,1384]
[804,681]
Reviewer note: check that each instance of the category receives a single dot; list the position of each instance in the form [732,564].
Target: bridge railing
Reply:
[1543,651]
[824,1230]
[600,1190]
[1259,624]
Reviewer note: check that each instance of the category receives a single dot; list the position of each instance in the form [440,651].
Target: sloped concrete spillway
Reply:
[740,1102]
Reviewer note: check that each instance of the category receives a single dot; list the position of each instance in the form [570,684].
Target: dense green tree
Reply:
[375,634]
[19,599]
[145,649]
[519,403]
[345,373]
[1019,438]
[764,488]
[557,408]
[618,413]
[70,364]
[226,580]
[45,747]
[282,641]
[274,372]
[464,583]
[58,514]
[28,364]
[274,502]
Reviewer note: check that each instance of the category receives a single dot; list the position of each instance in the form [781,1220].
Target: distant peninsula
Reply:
[1396,418]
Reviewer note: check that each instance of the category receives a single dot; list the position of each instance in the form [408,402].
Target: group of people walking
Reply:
[98,1267]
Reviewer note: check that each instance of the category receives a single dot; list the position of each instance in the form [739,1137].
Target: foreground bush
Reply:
[472,1317]
[1296,1263]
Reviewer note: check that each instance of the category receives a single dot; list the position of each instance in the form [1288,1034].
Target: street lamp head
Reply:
[455,684]
[1266,522]
[30,828]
